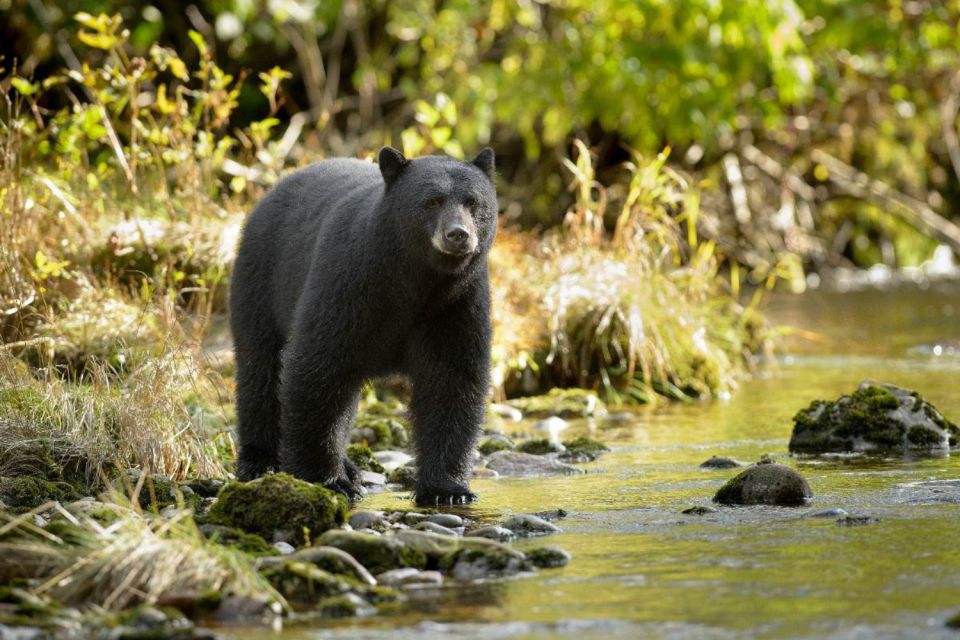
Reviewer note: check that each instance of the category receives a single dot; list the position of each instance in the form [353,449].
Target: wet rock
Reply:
[372,479]
[410,577]
[506,412]
[500,534]
[283,548]
[582,449]
[856,521]
[549,557]
[769,483]
[432,545]
[206,487]
[494,443]
[525,525]
[827,513]
[720,462]
[552,514]
[368,519]
[514,463]
[376,553]
[875,417]
[433,527]
[474,563]
[391,460]
[103,512]
[552,425]
[449,520]
[699,510]
[404,476]
[306,583]
[250,543]
[348,605]
[335,561]
[953,622]
[279,502]
[483,473]
[362,456]
[565,403]
[409,517]
[540,447]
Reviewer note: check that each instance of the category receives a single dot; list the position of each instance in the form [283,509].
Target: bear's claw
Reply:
[345,486]
[433,498]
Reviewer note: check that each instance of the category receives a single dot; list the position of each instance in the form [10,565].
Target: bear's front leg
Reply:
[318,404]
[451,377]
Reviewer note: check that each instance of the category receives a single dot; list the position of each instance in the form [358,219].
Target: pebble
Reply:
[828,513]
[506,412]
[856,521]
[408,577]
[529,525]
[372,478]
[765,483]
[549,557]
[391,460]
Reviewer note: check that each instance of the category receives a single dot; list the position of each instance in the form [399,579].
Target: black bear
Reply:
[347,272]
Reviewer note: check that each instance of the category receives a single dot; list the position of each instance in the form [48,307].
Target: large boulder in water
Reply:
[766,483]
[876,417]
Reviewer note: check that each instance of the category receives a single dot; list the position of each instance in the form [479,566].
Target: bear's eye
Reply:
[433,202]
[470,203]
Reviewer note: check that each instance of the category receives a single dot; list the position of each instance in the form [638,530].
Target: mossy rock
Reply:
[405,476]
[362,456]
[876,417]
[765,483]
[24,492]
[493,444]
[376,553]
[582,449]
[348,605]
[549,557]
[381,432]
[306,583]
[478,558]
[158,492]
[279,503]
[539,447]
[565,403]
[249,543]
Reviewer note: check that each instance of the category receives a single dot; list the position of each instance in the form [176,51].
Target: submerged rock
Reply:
[525,525]
[720,462]
[279,504]
[766,483]
[514,463]
[699,510]
[348,605]
[874,417]
[500,534]
[582,449]
[549,557]
[856,521]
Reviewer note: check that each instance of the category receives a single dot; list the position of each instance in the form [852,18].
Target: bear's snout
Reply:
[456,235]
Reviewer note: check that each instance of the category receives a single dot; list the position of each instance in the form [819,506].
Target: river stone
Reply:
[449,520]
[391,460]
[720,462]
[768,483]
[500,534]
[549,557]
[875,417]
[525,525]
[473,560]
[828,513]
[856,521]
[348,605]
[506,412]
[335,561]
[376,553]
[699,510]
[514,463]
[433,527]
[367,519]
[410,577]
[283,548]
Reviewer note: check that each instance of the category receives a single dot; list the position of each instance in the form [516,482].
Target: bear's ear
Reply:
[391,164]
[484,162]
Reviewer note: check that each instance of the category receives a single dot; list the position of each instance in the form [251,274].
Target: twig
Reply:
[912,211]
[778,172]
[948,122]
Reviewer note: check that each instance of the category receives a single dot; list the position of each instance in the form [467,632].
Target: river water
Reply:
[640,568]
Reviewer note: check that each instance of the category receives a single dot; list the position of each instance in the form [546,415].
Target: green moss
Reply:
[208,601]
[492,445]
[920,437]
[583,449]
[249,543]
[70,533]
[548,557]
[405,476]
[566,403]
[362,456]
[305,583]
[24,492]
[381,432]
[279,502]
[538,447]
[376,553]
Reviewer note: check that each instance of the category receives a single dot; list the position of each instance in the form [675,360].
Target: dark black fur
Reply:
[348,272]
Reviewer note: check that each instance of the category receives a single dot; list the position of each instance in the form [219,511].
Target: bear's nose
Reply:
[457,234]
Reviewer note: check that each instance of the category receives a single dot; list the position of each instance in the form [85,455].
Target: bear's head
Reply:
[445,209]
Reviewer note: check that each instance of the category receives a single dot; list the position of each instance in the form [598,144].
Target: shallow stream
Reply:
[641,569]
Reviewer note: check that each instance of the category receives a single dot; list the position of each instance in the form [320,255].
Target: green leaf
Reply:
[24,86]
